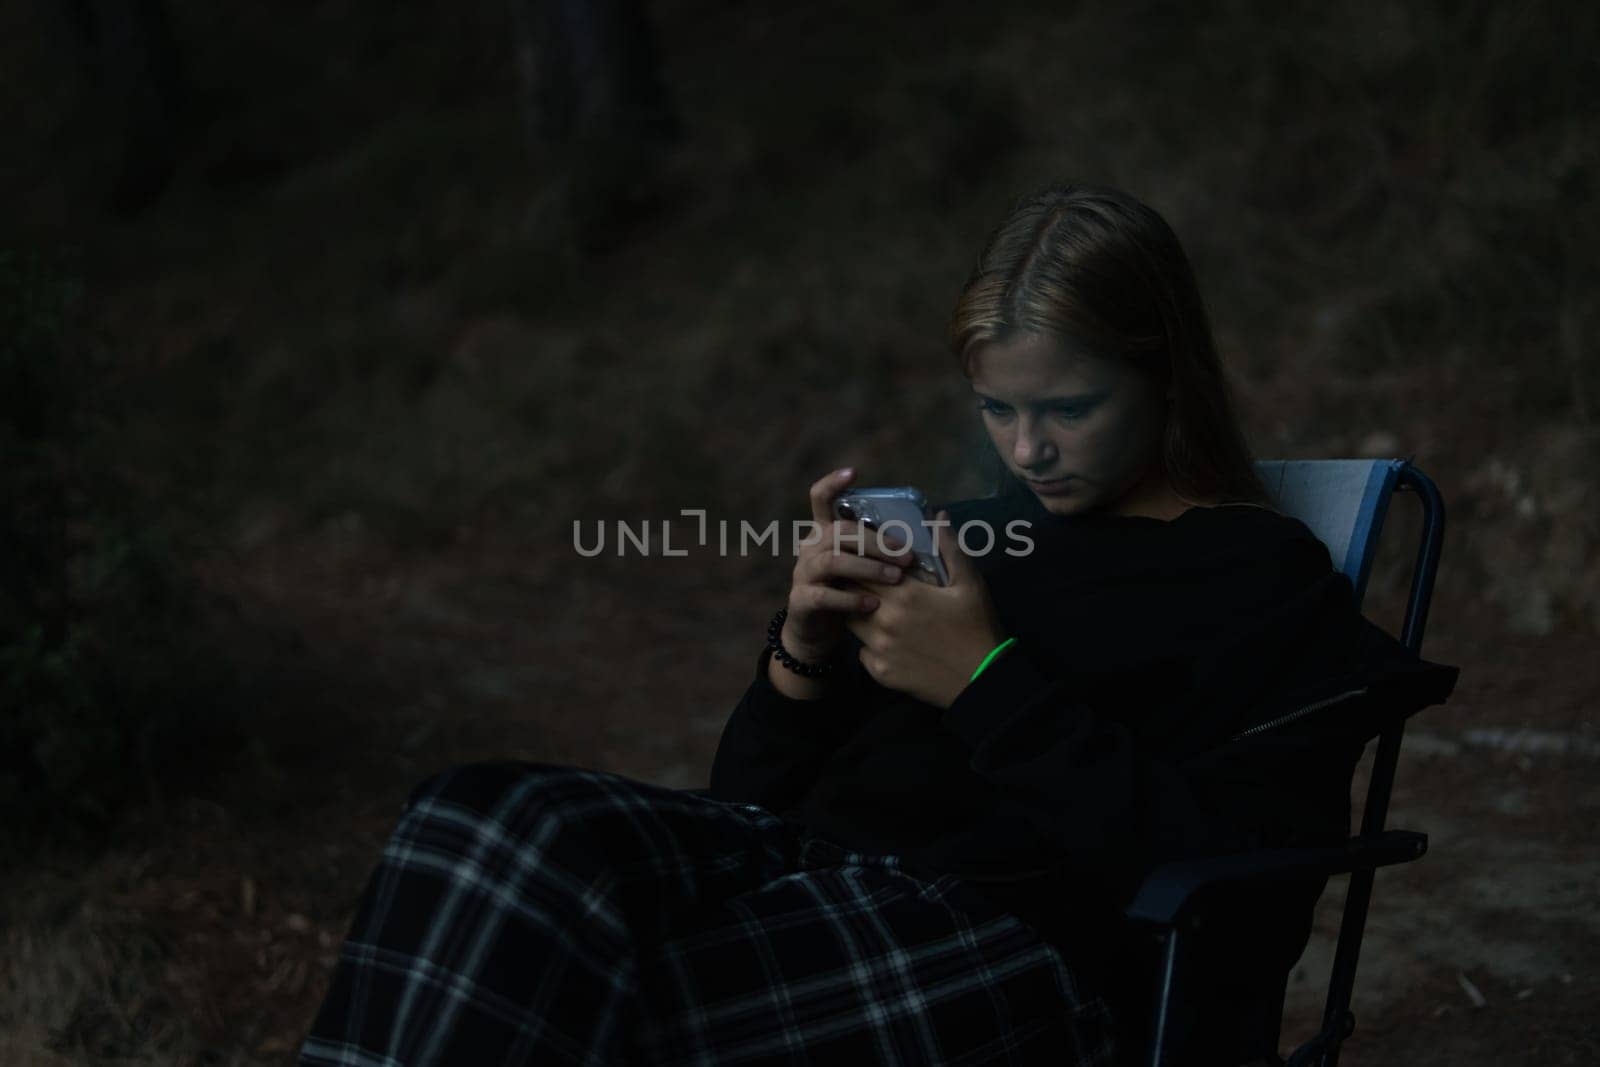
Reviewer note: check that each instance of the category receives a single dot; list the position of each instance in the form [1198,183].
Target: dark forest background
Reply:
[321,322]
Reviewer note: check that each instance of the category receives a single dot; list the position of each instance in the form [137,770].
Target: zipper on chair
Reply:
[1298,713]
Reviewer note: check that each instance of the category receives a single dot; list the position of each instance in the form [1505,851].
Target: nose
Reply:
[1032,448]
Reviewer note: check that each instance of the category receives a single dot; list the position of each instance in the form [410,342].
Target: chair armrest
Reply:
[1168,889]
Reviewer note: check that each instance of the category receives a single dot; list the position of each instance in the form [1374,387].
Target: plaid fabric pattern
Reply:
[524,913]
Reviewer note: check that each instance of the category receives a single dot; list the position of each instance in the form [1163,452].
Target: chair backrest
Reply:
[1343,501]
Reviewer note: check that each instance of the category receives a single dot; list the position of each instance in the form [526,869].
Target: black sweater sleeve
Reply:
[773,745]
[1114,800]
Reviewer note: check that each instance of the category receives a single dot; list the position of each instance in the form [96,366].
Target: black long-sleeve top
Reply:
[1107,739]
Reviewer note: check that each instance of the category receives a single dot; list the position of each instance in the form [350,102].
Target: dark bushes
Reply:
[100,676]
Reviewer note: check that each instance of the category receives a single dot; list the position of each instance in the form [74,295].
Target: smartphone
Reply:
[906,508]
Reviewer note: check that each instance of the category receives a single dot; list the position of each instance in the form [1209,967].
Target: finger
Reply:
[824,489]
[827,598]
[956,562]
[873,664]
[825,561]
[832,568]
[892,544]
[848,538]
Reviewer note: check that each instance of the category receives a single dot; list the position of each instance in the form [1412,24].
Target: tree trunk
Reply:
[134,68]
[593,100]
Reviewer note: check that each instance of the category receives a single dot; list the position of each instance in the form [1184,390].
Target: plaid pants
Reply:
[524,913]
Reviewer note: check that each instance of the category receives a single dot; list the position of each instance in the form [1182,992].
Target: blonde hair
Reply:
[1096,268]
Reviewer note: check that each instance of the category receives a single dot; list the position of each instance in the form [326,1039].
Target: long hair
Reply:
[1094,267]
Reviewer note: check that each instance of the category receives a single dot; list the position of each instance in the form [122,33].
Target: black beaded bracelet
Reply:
[781,654]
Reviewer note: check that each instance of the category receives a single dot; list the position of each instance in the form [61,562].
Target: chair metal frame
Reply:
[1167,897]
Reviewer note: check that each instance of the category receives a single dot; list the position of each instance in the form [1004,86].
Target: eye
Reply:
[1069,414]
[994,408]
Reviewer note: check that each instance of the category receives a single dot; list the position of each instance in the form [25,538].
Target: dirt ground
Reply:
[216,924]
[370,385]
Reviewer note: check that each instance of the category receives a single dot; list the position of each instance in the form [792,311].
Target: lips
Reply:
[1054,485]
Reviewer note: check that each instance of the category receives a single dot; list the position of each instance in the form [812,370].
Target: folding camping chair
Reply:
[1344,503]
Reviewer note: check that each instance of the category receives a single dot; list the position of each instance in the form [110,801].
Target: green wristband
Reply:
[993,652]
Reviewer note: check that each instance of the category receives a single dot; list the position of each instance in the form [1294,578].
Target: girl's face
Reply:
[1082,431]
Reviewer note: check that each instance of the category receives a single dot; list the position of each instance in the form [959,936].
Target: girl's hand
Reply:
[828,586]
[926,640]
